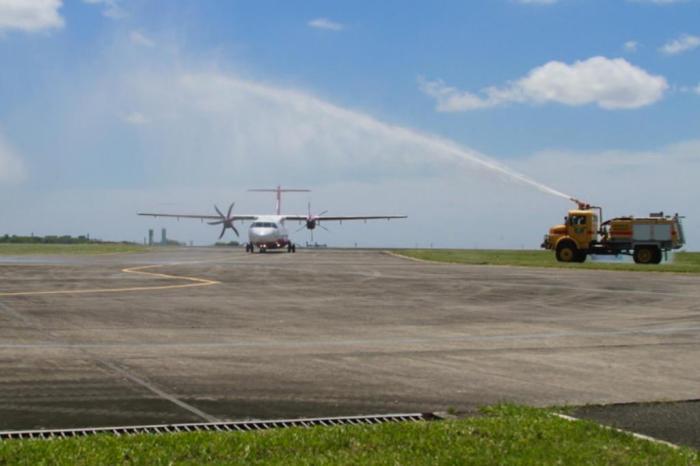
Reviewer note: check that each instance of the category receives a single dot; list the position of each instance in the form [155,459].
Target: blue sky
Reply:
[109,107]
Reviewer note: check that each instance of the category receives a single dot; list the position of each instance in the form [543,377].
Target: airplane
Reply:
[268,232]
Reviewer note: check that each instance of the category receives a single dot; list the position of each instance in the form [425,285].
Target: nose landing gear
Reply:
[291,247]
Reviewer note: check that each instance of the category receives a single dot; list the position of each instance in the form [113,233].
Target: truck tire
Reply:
[658,256]
[567,252]
[645,254]
[581,257]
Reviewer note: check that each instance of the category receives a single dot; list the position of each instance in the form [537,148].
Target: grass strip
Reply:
[680,262]
[506,434]
[21,249]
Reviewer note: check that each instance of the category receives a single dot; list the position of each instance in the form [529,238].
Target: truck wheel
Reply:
[581,257]
[658,256]
[644,255]
[567,252]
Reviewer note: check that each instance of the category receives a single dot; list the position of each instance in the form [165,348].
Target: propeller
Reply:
[226,220]
[312,221]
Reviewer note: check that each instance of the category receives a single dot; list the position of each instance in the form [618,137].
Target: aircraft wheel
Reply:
[294,248]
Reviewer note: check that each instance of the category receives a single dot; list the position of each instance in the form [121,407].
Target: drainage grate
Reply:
[234,426]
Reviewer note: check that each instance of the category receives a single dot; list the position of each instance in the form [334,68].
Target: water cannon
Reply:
[581,205]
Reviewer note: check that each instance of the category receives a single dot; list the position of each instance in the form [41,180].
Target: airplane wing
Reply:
[342,218]
[200,217]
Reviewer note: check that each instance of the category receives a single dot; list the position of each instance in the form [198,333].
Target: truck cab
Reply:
[572,240]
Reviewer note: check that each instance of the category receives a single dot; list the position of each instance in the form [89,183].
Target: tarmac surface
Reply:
[84,342]
[675,422]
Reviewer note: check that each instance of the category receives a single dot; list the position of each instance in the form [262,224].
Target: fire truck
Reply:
[646,239]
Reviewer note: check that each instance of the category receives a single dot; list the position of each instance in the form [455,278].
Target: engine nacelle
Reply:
[311,224]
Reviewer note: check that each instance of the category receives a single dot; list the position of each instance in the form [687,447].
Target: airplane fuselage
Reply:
[268,232]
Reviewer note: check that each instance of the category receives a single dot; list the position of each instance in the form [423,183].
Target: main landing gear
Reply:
[249,247]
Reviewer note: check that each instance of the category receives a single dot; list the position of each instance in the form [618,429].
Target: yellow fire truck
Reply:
[646,239]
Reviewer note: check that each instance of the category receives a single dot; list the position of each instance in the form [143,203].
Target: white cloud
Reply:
[631,46]
[136,118]
[325,23]
[682,44]
[30,15]
[690,89]
[609,83]
[451,99]
[11,166]
[138,38]
[111,8]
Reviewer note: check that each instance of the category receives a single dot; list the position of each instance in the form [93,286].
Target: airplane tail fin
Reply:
[279,190]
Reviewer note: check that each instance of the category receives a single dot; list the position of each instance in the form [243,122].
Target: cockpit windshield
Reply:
[264,225]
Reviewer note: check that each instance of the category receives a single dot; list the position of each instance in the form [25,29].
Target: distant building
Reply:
[163,237]
[150,237]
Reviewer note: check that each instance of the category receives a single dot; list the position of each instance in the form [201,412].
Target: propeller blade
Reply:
[309,206]
[322,213]
[323,227]
[234,229]
[223,230]
[230,208]
[300,228]
[218,211]
[217,222]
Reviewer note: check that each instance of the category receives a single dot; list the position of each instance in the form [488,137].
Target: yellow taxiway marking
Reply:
[194,281]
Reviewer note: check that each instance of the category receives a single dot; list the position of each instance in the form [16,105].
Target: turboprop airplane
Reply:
[268,231]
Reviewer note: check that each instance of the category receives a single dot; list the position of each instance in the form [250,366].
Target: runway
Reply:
[328,332]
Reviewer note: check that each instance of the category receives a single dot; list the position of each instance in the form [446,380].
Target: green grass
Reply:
[504,435]
[16,249]
[683,262]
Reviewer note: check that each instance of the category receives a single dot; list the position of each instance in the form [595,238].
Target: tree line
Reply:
[53,239]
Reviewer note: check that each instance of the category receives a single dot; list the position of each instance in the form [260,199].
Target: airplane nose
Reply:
[261,234]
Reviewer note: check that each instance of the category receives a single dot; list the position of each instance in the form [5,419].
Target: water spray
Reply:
[434,144]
